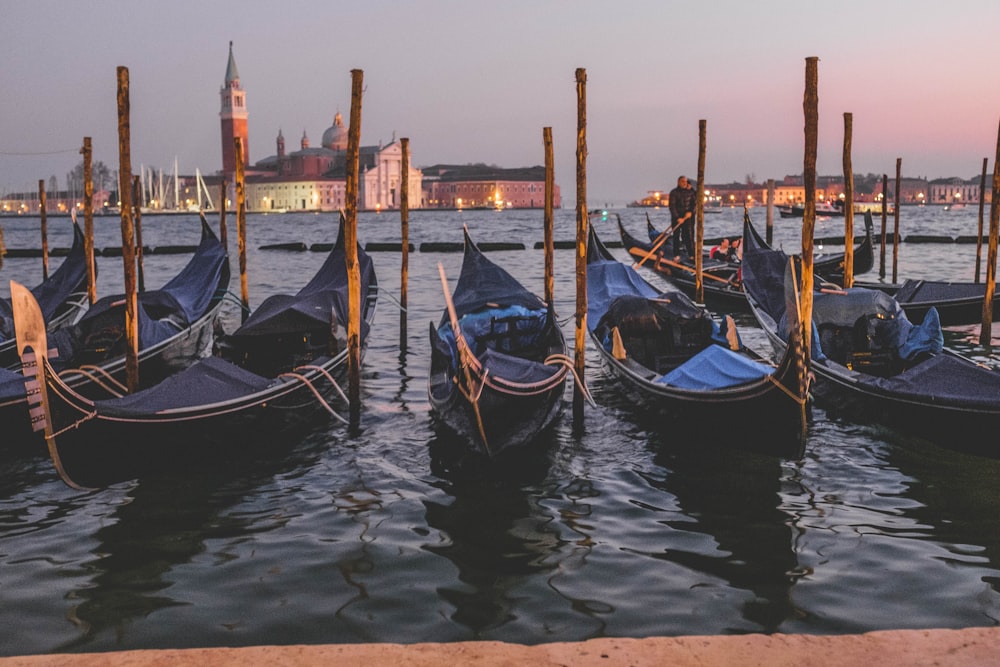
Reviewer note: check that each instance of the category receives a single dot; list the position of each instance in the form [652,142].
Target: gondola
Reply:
[721,280]
[273,375]
[498,359]
[872,364]
[956,302]
[175,324]
[695,375]
[62,298]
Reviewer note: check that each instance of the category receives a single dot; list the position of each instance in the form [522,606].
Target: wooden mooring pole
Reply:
[88,217]
[404,225]
[848,201]
[769,231]
[128,233]
[44,218]
[881,245]
[351,242]
[241,228]
[991,254]
[979,229]
[137,202]
[810,107]
[699,216]
[548,220]
[895,217]
[582,222]
[223,231]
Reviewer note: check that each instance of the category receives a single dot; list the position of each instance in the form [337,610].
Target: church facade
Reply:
[311,178]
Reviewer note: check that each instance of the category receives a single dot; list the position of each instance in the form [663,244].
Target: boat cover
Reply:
[161,313]
[11,384]
[52,293]
[211,380]
[715,367]
[483,282]
[311,307]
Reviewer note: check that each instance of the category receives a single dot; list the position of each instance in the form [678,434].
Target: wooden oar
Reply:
[660,240]
[678,265]
[464,353]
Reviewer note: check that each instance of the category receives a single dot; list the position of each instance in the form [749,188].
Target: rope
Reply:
[571,365]
[396,301]
[118,389]
[319,397]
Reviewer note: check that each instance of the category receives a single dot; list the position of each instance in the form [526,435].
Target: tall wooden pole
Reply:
[241,227]
[223,231]
[986,334]
[810,106]
[848,201]
[351,241]
[979,230]
[895,228]
[136,196]
[404,220]
[548,220]
[582,222]
[769,232]
[699,216]
[881,245]
[43,214]
[128,232]
[88,217]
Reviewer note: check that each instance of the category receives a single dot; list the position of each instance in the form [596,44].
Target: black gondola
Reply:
[498,358]
[956,302]
[175,326]
[873,364]
[721,280]
[274,374]
[696,376]
[62,298]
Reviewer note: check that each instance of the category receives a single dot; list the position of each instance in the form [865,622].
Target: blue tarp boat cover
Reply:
[311,307]
[52,293]
[11,384]
[483,282]
[715,367]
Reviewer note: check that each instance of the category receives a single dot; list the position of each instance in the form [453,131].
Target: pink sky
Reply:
[477,82]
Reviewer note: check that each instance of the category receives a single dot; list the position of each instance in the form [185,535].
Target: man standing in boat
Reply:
[682,216]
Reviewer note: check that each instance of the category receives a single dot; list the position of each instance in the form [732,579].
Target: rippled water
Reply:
[395,534]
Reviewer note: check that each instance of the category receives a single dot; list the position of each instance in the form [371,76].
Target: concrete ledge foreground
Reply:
[909,648]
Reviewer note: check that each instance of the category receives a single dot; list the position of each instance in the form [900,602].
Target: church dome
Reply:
[335,137]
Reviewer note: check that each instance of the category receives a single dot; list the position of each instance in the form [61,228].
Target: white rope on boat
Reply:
[95,375]
[319,397]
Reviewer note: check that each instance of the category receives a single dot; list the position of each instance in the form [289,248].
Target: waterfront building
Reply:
[958,191]
[483,186]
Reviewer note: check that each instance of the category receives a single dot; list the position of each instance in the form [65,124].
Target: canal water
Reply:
[397,534]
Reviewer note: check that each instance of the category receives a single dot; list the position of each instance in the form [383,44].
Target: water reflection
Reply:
[499,535]
[733,498]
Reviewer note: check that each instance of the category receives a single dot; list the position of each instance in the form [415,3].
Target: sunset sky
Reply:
[472,81]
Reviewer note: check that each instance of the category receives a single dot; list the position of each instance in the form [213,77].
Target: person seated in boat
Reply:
[721,251]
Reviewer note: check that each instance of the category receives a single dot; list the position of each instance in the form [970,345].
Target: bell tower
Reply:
[234,118]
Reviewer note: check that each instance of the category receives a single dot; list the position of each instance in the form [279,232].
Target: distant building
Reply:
[956,191]
[234,119]
[483,186]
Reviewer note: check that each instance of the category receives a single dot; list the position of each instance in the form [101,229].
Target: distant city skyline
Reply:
[470,83]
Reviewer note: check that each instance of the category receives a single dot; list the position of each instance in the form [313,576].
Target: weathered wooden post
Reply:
[810,106]
[351,242]
[979,229]
[3,247]
[137,200]
[582,222]
[88,217]
[128,232]
[881,245]
[986,334]
[848,201]
[548,220]
[699,217]
[43,213]
[895,228]
[241,227]
[769,232]
[404,220]
[223,231]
